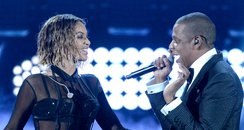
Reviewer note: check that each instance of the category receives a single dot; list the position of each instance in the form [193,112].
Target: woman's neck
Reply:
[69,69]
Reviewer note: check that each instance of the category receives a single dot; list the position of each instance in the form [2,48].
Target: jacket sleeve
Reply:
[218,102]
[157,102]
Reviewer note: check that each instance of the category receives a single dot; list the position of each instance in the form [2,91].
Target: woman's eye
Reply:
[80,36]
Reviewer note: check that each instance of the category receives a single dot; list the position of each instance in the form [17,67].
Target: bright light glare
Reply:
[239,70]
[225,54]
[35,60]
[17,70]
[43,67]
[115,70]
[26,74]
[115,101]
[116,86]
[120,92]
[90,55]
[146,55]
[128,68]
[235,56]
[35,70]
[26,65]
[16,91]
[131,55]
[143,102]
[131,86]
[17,80]
[86,68]
[130,101]
[116,55]
[160,52]
[105,84]
[100,70]
[101,55]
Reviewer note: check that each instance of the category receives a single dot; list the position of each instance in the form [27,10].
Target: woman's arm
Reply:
[23,107]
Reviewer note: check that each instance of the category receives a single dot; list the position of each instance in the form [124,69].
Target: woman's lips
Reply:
[84,51]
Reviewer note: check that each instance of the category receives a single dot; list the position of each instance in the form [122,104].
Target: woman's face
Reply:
[82,41]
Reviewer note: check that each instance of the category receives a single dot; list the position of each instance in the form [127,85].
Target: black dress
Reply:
[45,97]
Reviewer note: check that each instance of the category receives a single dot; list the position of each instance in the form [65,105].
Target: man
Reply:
[213,99]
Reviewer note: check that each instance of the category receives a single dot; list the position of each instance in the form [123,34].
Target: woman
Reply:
[60,99]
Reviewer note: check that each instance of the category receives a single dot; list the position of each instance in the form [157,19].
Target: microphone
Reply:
[146,69]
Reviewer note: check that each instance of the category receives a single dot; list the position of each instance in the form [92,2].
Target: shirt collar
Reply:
[201,61]
[64,75]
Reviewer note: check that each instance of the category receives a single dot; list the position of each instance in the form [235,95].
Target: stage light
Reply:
[35,60]
[239,70]
[14,33]
[17,80]
[116,86]
[115,70]
[128,31]
[16,91]
[131,55]
[26,65]
[235,56]
[128,68]
[143,102]
[17,70]
[131,86]
[90,56]
[115,101]
[160,51]
[142,87]
[146,55]
[25,74]
[105,85]
[100,70]
[110,66]
[2,46]
[116,55]
[130,101]
[101,55]
[225,54]
[35,70]
[86,68]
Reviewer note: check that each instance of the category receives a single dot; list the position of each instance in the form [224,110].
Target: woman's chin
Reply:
[83,59]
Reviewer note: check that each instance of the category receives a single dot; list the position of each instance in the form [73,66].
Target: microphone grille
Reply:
[171,58]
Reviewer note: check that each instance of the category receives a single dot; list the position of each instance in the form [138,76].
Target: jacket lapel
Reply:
[201,74]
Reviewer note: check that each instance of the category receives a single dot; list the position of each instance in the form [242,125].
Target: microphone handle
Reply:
[141,72]
[147,69]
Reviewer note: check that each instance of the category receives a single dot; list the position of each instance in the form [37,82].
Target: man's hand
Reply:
[171,89]
[161,74]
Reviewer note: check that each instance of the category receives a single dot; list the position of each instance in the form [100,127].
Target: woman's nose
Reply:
[87,42]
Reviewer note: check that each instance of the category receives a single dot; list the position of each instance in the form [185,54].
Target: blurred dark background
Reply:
[150,21]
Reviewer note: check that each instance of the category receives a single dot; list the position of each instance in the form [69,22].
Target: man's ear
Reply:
[196,41]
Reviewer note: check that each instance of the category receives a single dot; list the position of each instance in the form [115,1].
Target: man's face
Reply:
[181,44]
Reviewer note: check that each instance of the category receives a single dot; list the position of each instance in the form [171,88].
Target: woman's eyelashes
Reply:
[81,36]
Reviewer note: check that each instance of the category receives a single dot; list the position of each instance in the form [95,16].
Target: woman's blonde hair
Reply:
[56,40]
